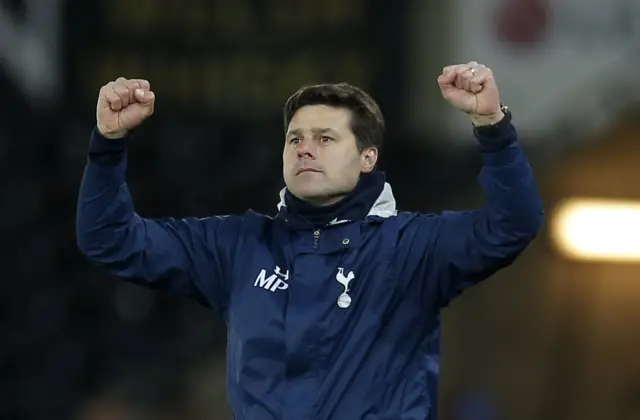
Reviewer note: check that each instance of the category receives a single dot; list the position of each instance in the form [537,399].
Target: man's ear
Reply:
[369,159]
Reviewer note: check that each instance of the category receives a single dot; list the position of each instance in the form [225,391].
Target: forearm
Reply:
[513,205]
[104,209]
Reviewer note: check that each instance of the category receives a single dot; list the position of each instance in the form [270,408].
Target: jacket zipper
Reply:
[316,239]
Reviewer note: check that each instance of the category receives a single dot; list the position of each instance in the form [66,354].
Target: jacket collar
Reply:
[383,207]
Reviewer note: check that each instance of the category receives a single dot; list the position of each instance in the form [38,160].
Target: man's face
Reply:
[321,161]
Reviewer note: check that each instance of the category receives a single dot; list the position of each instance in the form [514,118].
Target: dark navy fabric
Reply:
[355,206]
[340,322]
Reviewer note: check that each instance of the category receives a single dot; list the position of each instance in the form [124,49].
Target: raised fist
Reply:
[123,105]
[471,88]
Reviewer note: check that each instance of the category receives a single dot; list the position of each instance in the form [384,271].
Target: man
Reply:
[332,306]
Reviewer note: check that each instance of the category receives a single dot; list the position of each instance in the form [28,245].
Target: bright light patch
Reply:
[593,229]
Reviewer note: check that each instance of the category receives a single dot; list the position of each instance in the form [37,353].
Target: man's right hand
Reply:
[123,105]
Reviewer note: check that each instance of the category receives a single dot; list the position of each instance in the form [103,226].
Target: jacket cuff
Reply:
[501,135]
[98,144]
[106,152]
[495,138]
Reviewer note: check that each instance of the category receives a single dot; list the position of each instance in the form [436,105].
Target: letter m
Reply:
[263,281]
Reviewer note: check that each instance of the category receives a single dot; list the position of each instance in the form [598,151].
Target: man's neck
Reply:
[323,201]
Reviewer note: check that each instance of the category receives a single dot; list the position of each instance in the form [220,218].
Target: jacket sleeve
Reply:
[187,257]
[464,248]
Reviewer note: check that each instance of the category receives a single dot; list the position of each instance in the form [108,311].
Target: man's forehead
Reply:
[320,118]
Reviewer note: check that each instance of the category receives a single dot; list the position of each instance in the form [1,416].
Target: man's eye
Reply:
[326,139]
[294,140]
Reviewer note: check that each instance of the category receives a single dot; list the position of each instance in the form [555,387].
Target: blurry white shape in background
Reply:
[562,66]
[597,229]
[30,50]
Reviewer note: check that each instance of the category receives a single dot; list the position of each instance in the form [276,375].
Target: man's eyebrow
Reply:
[324,130]
[294,132]
[315,130]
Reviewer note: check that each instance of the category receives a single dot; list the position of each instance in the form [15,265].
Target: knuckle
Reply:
[122,92]
[107,87]
[119,84]
[113,95]
[141,83]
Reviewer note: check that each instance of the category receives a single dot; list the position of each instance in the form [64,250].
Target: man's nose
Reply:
[306,149]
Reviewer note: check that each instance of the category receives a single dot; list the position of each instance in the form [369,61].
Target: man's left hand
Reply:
[472,89]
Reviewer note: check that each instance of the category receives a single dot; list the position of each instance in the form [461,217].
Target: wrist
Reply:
[487,120]
[111,135]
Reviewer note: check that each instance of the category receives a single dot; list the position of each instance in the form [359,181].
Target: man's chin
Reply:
[317,196]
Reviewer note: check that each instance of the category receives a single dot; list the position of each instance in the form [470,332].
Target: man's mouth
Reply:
[303,170]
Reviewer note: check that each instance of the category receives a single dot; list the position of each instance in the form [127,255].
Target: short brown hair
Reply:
[367,122]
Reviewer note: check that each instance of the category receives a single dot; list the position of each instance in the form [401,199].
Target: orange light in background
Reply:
[597,229]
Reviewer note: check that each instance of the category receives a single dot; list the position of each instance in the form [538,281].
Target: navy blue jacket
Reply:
[339,323]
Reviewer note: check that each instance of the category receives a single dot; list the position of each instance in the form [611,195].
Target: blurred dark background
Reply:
[554,337]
